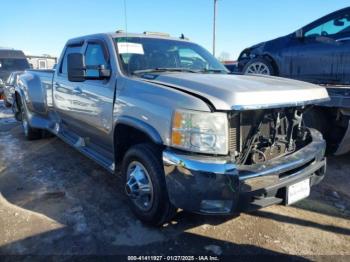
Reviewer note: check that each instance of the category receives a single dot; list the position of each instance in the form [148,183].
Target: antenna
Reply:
[214,27]
[183,37]
[126,30]
[125,19]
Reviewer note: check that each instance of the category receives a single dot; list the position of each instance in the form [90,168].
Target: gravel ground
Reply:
[54,201]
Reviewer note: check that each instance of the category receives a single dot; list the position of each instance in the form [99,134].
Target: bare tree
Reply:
[224,56]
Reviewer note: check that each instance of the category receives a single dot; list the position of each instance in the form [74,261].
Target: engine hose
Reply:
[261,153]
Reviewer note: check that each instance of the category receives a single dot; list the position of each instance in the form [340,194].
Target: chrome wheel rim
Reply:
[258,68]
[139,186]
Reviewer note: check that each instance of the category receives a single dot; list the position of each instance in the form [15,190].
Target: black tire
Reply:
[29,132]
[321,120]
[259,61]
[316,118]
[161,210]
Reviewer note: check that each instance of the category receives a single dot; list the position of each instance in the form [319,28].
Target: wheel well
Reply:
[126,136]
[17,98]
[273,63]
[18,103]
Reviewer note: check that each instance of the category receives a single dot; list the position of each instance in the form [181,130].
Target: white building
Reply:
[41,62]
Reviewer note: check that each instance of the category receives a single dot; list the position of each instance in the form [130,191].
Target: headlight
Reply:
[200,132]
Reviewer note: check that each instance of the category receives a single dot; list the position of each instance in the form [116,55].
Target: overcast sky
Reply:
[43,26]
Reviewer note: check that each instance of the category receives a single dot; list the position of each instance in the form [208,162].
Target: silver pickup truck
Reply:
[184,132]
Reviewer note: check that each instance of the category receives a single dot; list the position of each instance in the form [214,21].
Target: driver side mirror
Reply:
[299,34]
[76,67]
[78,71]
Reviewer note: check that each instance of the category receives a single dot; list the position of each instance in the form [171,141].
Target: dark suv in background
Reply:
[319,52]
[11,60]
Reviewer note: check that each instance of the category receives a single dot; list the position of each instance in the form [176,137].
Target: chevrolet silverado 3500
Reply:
[184,132]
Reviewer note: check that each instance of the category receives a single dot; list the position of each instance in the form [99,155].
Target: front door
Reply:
[313,59]
[93,100]
[343,68]
[321,55]
[64,91]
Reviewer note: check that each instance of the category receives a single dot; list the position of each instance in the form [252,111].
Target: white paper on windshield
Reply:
[130,48]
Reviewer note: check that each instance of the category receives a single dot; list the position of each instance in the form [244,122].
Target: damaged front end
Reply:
[269,151]
[257,136]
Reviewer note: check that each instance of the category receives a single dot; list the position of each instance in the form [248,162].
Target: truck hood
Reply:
[244,92]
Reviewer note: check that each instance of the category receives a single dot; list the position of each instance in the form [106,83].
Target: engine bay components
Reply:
[261,135]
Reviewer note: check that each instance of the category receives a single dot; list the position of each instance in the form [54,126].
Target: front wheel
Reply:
[145,185]
[258,66]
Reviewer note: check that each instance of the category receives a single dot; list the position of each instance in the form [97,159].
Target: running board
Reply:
[79,143]
[72,139]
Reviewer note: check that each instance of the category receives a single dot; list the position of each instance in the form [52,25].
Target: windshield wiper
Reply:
[161,69]
[205,70]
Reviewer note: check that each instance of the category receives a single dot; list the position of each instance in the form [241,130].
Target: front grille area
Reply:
[256,136]
[241,125]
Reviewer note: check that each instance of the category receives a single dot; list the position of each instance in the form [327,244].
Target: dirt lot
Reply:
[54,201]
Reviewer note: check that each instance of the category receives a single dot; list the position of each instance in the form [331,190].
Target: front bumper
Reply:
[215,185]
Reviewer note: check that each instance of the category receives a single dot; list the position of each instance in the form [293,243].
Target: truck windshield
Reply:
[13,64]
[142,55]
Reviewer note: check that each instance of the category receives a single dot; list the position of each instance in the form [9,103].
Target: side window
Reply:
[94,57]
[69,50]
[338,25]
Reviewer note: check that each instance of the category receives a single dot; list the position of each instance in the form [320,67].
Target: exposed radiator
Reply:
[241,125]
[234,134]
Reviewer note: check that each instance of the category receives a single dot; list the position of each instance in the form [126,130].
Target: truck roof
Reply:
[154,35]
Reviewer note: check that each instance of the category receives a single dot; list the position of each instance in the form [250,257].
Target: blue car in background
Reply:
[318,52]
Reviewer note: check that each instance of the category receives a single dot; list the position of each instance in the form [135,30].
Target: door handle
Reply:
[77,91]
